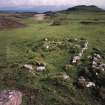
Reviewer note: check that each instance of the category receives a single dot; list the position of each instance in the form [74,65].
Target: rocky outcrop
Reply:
[10,97]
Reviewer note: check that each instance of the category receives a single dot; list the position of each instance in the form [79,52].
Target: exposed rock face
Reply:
[10,97]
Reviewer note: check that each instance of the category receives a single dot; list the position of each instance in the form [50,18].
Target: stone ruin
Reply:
[77,58]
[97,64]
[83,82]
[10,97]
[38,66]
[53,44]
[67,43]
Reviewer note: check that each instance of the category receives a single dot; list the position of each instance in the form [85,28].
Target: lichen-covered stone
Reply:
[10,97]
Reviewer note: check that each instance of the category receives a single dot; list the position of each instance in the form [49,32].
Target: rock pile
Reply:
[83,82]
[38,66]
[97,64]
[77,58]
[10,97]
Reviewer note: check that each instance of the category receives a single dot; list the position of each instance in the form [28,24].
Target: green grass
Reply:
[16,48]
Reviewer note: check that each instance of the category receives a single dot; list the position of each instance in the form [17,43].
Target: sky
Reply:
[32,3]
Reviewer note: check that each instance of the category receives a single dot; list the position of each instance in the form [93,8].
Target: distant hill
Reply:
[85,8]
[38,9]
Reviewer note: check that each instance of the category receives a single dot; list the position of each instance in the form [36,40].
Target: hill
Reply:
[52,44]
[85,8]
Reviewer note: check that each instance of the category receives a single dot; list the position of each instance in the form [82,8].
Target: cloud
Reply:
[29,3]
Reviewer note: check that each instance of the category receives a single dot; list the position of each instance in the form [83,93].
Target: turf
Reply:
[16,49]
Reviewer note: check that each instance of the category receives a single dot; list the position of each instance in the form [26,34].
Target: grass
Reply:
[16,48]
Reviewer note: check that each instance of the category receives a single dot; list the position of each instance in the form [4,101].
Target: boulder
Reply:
[65,76]
[10,97]
[90,84]
[81,82]
[76,59]
[28,66]
[40,66]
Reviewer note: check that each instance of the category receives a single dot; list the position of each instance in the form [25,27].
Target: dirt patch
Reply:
[9,23]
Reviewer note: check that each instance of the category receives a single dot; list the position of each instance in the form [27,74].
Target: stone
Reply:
[96,63]
[98,56]
[28,66]
[65,76]
[40,66]
[80,54]
[10,97]
[47,47]
[46,39]
[90,84]
[76,59]
[81,81]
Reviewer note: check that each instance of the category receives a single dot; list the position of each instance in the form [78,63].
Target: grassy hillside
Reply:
[20,46]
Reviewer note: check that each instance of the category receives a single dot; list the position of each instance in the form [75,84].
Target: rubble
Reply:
[36,66]
[82,82]
[77,58]
[97,66]
[10,97]
[97,63]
